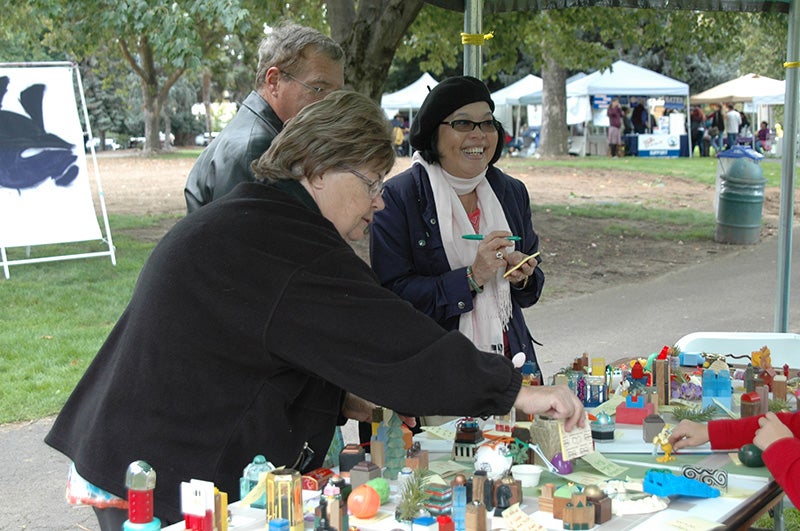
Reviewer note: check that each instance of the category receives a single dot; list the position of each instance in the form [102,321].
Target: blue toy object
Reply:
[716,385]
[691,359]
[664,483]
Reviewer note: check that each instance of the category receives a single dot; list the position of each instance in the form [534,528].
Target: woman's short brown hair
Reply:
[344,130]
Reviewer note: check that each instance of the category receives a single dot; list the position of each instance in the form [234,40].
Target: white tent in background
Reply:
[506,99]
[740,90]
[772,98]
[409,98]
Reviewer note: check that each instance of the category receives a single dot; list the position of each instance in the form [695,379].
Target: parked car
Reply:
[111,144]
[204,139]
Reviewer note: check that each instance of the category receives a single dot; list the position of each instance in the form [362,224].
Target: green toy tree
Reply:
[395,453]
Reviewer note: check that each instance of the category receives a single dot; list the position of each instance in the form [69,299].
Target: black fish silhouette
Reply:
[28,154]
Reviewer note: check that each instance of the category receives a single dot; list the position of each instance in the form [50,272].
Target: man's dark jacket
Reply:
[226,161]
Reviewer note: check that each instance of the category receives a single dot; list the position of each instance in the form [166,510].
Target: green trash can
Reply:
[740,196]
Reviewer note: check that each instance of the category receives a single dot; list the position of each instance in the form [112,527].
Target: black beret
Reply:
[449,95]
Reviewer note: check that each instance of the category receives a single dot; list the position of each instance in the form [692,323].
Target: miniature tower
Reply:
[140,480]
[661,376]
[779,387]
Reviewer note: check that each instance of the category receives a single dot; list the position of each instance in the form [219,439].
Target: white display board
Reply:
[45,193]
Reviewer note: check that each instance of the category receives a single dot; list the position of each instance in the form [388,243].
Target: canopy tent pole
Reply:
[473,22]
[788,164]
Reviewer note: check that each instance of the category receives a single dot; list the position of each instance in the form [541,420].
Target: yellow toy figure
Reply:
[662,440]
[762,358]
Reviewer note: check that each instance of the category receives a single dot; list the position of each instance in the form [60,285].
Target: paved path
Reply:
[734,293]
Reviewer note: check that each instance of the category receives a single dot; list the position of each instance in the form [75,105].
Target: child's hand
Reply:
[771,430]
[687,434]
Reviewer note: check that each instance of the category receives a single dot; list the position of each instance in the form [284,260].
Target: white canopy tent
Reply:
[507,99]
[409,98]
[621,79]
[772,98]
[740,90]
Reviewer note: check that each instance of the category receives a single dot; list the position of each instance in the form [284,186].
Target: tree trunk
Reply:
[555,132]
[207,100]
[152,118]
[370,38]
[167,144]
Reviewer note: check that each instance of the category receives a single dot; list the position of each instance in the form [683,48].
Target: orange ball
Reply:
[363,502]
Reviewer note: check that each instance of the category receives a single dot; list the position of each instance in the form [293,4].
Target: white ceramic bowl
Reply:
[527,475]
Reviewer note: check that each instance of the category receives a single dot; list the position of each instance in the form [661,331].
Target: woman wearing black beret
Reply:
[418,245]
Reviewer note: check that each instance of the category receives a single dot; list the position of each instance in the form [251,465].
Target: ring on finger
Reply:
[499,255]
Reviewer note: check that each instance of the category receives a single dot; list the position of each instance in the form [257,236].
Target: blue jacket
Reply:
[407,254]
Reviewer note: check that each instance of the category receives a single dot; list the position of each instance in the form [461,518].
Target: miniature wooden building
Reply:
[750,404]
[601,502]
[350,456]
[578,513]
[652,426]
[476,517]
[363,472]
[561,497]
[763,392]
[468,438]
[546,497]
[416,458]
[661,377]
[779,387]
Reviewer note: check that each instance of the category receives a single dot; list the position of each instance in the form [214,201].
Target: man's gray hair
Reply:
[285,47]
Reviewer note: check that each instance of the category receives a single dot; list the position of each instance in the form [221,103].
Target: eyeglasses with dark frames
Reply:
[312,88]
[465,126]
[375,188]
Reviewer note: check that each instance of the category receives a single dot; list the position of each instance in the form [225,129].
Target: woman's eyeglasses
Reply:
[465,126]
[375,188]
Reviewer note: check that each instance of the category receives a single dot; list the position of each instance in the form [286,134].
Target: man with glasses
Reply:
[296,66]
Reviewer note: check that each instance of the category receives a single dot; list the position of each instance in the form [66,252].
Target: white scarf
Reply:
[485,324]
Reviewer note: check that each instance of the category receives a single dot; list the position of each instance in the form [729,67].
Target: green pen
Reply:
[481,236]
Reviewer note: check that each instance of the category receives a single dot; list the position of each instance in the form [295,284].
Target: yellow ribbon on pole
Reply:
[476,39]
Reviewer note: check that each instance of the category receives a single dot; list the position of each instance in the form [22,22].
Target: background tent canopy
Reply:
[741,89]
[774,98]
[506,99]
[410,97]
[511,94]
[623,78]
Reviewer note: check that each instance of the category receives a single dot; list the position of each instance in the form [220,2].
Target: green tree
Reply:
[158,40]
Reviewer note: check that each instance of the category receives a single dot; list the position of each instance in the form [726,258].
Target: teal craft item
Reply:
[336,447]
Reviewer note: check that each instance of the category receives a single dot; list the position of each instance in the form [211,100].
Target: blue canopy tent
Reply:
[473,12]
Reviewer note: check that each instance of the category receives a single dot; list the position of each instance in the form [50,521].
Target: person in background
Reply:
[627,124]
[762,138]
[777,435]
[715,122]
[733,121]
[640,119]
[453,189]
[254,328]
[697,128]
[297,65]
[614,113]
